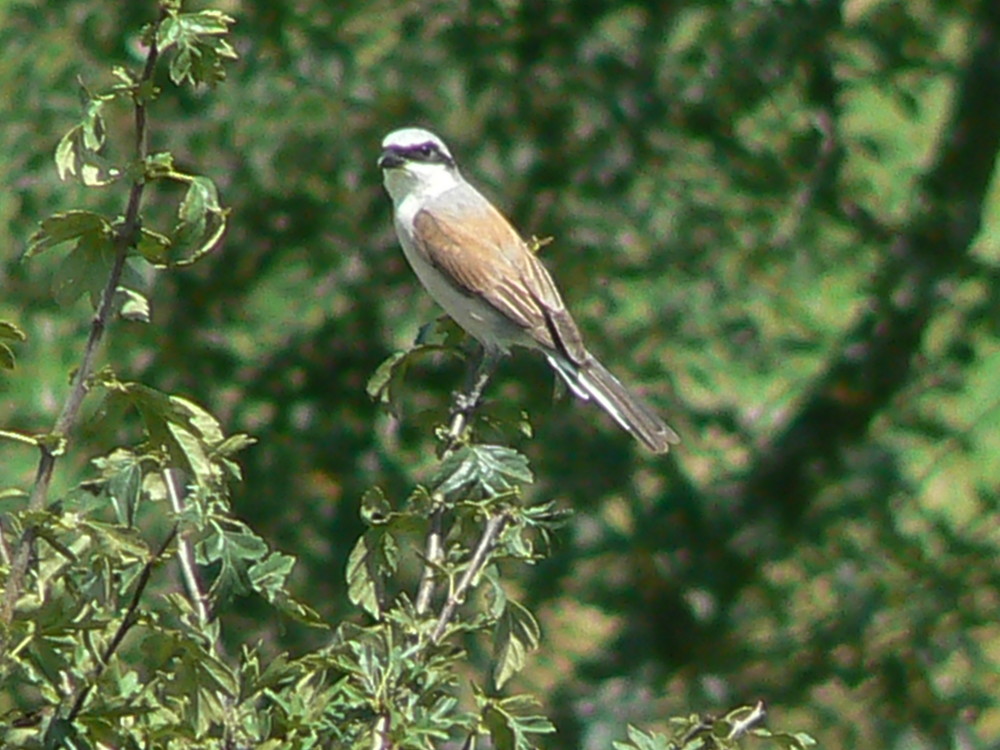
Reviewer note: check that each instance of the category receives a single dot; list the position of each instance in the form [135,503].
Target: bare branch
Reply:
[465,402]
[491,532]
[185,553]
[432,556]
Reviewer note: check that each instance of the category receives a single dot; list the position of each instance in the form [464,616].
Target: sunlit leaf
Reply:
[135,305]
[485,470]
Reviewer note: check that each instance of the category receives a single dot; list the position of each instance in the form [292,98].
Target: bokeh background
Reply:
[776,218]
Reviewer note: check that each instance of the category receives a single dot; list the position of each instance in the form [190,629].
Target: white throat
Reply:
[414,184]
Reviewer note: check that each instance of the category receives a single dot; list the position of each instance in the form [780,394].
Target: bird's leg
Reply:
[464,402]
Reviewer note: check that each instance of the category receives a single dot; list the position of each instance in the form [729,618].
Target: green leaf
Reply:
[269,578]
[78,153]
[234,444]
[134,306]
[378,386]
[235,548]
[11,332]
[201,224]
[65,227]
[375,508]
[639,740]
[198,44]
[785,740]
[517,633]
[85,270]
[481,470]
[153,246]
[123,472]
[375,555]
[385,384]
[511,721]
[184,429]
[159,165]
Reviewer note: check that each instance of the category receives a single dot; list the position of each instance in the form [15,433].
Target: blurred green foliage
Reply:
[769,216]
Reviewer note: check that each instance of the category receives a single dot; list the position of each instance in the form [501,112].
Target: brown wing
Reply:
[467,239]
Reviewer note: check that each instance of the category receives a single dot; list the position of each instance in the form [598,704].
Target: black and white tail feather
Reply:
[591,380]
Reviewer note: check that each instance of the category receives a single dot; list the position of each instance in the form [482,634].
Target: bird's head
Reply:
[415,160]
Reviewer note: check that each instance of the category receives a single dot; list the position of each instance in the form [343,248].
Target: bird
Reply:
[477,267]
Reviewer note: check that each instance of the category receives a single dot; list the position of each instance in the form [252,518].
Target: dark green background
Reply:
[766,217]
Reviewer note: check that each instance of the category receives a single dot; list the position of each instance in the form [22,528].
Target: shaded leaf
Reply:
[512,721]
[67,226]
[516,634]
[374,556]
[153,246]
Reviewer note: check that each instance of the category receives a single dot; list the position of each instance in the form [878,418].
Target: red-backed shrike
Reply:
[488,280]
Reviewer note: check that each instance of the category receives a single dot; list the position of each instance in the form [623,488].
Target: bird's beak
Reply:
[390,160]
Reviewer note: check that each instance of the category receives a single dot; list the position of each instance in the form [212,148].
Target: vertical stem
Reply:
[491,532]
[478,375]
[185,553]
[65,422]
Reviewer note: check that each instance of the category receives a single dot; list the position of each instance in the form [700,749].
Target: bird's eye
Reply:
[426,149]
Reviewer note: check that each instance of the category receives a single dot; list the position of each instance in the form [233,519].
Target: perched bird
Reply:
[473,262]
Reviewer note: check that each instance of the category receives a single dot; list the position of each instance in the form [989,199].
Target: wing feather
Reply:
[471,243]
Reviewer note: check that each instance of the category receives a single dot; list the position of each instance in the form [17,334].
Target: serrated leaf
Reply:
[200,48]
[234,444]
[85,270]
[158,165]
[65,227]
[517,633]
[201,222]
[236,549]
[269,575]
[639,740]
[512,721]
[78,152]
[375,508]
[124,489]
[377,387]
[786,740]
[189,433]
[193,449]
[374,556]
[483,470]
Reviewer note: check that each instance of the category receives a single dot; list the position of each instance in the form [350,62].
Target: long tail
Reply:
[591,380]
